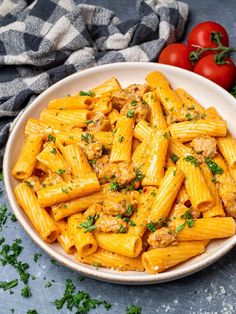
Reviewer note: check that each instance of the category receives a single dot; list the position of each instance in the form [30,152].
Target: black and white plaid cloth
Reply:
[43,41]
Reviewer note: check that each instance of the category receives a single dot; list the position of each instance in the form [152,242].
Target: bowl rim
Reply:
[119,277]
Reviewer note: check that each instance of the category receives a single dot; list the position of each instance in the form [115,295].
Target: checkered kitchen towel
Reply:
[43,41]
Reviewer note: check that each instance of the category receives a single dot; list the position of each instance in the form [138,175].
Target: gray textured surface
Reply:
[212,290]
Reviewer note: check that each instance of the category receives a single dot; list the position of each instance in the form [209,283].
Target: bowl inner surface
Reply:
[204,91]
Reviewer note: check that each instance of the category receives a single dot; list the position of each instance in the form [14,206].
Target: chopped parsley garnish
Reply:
[61,171]
[133,102]
[180,228]
[48,284]
[152,226]
[36,257]
[120,139]
[65,190]
[9,255]
[89,223]
[122,229]
[81,278]
[189,117]
[213,180]
[93,161]
[32,312]
[139,175]
[3,215]
[174,173]
[166,136]
[25,292]
[53,151]
[54,262]
[192,160]
[215,169]
[1,176]
[132,223]
[80,301]
[130,113]
[6,285]
[114,186]
[174,158]
[51,138]
[88,93]
[88,122]
[133,309]
[130,209]
[115,130]
[189,221]
[29,184]
[153,193]
[13,218]
[191,107]
[87,137]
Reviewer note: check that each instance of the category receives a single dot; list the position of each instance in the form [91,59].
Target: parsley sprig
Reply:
[215,169]
[88,93]
[80,301]
[192,160]
[89,223]
[189,221]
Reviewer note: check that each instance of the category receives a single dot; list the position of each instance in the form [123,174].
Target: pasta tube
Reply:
[34,126]
[166,194]
[51,157]
[216,209]
[158,260]
[139,155]
[102,105]
[77,160]
[73,137]
[85,242]
[71,102]
[153,168]
[121,148]
[110,86]
[206,228]
[211,113]
[140,217]
[67,191]
[37,215]
[189,101]
[142,130]
[196,187]
[188,130]
[178,149]
[122,243]
[168,97]
[26,162]
[102,258]
[157,119]
[227,147]
[63,210]
[71,118]
[64,238]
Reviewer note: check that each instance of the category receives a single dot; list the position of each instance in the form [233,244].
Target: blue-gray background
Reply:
[212,290]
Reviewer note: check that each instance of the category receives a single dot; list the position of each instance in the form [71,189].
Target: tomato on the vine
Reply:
[177,55]
[200,35]
[222,74]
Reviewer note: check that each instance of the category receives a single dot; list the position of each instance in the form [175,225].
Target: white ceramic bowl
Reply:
[206,92]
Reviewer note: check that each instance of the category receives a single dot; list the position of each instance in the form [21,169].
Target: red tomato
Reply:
[177,55]
[200,35]
[222,74]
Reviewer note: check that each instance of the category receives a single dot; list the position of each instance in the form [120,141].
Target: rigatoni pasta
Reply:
[139,178]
